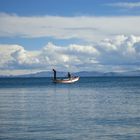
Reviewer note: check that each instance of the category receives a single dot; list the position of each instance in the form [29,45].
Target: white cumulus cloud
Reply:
[16,57]
[118,53]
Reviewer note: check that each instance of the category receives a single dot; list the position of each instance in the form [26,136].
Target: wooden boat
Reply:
[70,79]
[66,80]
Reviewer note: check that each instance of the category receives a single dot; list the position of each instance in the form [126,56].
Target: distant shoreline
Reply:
[12,77]
[80,74]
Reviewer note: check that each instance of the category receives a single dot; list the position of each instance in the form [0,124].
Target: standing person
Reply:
[69,75]
[54,73]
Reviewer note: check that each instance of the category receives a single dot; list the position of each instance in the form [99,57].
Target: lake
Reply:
[95,108]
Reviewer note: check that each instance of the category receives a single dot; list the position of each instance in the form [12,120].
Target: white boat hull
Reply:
[66,81]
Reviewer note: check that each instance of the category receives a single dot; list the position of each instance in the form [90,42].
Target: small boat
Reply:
[66,80]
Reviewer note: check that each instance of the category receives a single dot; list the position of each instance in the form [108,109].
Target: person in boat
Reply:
[54,74]
[69,75]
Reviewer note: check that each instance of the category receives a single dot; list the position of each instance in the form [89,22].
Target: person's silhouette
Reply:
[69,75]
[54,73]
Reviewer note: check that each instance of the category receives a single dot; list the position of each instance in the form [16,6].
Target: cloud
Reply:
[125,4]
[16,57]
[111,54]
[121,50]
[87,28]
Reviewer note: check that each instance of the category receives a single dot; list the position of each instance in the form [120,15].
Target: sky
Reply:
[69,35]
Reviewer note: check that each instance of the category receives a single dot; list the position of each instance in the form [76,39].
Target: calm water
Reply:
[91,109]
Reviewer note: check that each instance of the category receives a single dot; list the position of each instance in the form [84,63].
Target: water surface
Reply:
[106,108]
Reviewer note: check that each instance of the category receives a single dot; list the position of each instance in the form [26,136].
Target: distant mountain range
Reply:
[81,74]
[95,73]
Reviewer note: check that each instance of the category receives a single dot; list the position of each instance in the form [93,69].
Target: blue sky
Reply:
[70,28]
[66,8]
